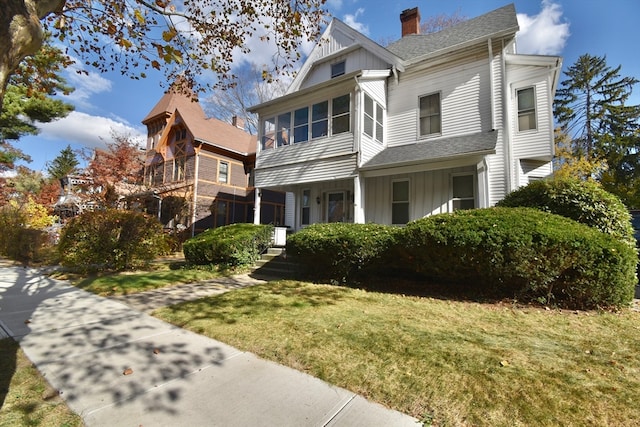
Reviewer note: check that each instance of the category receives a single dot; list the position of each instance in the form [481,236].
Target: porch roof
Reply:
[434,150]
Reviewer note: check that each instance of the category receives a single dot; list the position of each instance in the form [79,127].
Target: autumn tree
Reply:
[66,163]
[117,170]
[182,37]
[440,22]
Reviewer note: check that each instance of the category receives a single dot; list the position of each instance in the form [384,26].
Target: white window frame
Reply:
[453,199]
[421,116]
[526,111]
[225,174]
[338,68]
[398,202]
[305,206]
[377,119]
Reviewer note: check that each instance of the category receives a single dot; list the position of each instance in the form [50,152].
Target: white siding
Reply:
[538,143]
[307,151]
[497,163]
[464,89]
[429,194]
[531,170]
[359,59]
[306,172]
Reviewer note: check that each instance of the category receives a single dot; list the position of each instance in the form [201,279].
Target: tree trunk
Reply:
[21,33]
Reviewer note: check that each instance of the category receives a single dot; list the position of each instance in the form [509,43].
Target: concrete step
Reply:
[274,265]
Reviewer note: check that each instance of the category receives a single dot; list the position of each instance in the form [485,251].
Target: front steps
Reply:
[274,265]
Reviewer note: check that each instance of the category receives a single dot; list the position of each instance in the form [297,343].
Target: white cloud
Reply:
[352,21]
[86,85]
[90,131]
[545,33]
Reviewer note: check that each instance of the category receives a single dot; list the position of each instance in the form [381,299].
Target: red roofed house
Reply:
[199,170]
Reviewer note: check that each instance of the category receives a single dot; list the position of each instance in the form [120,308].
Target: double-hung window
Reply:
[373,119]
[301,125]
[284,129]
[320,119]
[526,109]
[306,207]
[430,115]
[340,114]
[268,133]
[223,173]
[463,192]
[400,202]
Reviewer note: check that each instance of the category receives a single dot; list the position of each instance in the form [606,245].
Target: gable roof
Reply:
[205,130]
[498,23]
[481,143]
[359,40]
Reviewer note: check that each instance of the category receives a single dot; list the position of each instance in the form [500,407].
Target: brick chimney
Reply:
[410,19]
[237,122]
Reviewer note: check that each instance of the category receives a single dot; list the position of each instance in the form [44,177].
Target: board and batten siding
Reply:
[429,194]
[538,143]
[465,105]
[325,169]
[355,60]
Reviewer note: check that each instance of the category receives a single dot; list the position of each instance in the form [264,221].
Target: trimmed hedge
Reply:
[526,253]
[234,245]
[111,240]
[339,251]
[583,201]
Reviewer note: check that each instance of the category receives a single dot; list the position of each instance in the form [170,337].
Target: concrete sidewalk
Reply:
[84,345]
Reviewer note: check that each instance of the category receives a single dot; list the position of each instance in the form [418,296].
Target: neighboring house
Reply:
[77,195]
[430,124]
[199,170]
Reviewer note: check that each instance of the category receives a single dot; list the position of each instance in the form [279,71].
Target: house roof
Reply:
[481,143]
[500,22]
[205,130]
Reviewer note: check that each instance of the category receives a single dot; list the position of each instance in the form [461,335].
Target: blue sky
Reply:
[567,28]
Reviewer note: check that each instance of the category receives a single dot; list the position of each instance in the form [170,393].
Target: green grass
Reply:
[26,399]
[446,362]
[160,274]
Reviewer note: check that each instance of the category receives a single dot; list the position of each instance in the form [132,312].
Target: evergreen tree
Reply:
[598,127]
[66,163]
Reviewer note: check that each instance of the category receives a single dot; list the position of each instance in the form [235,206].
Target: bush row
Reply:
[111,240]
[507,252]
[232,245]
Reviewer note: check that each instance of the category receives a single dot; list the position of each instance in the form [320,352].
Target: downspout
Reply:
[491,85]
[506,118]
[195,192]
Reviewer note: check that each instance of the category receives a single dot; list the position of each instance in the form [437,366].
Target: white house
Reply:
[430,124]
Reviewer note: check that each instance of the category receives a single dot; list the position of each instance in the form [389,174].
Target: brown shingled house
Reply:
[199,170]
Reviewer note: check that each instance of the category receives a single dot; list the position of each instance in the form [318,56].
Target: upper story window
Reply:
[341,114]
[307,123]
[463,190]
[430,115]
[223,173]
[338,69]
[526,109]
[373,119]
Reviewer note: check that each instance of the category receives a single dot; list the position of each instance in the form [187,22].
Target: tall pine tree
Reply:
[65,164]
[598,126]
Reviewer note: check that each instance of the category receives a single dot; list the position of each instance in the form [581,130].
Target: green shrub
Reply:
[111,240]
[583,201]
[234,245]
[21,243]
[339,251]
[525,253]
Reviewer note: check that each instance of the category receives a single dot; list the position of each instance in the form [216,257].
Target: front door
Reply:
[335,207]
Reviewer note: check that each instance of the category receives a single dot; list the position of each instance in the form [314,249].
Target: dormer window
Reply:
[338,69]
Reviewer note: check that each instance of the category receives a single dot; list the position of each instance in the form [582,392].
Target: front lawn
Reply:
[26,399]
[446,362]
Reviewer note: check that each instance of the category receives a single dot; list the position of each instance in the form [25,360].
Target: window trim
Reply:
[226,174]
[452,199]
[406,202]
[338,68]
[420,116]
[376,121]
[305,206]
[528,111]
